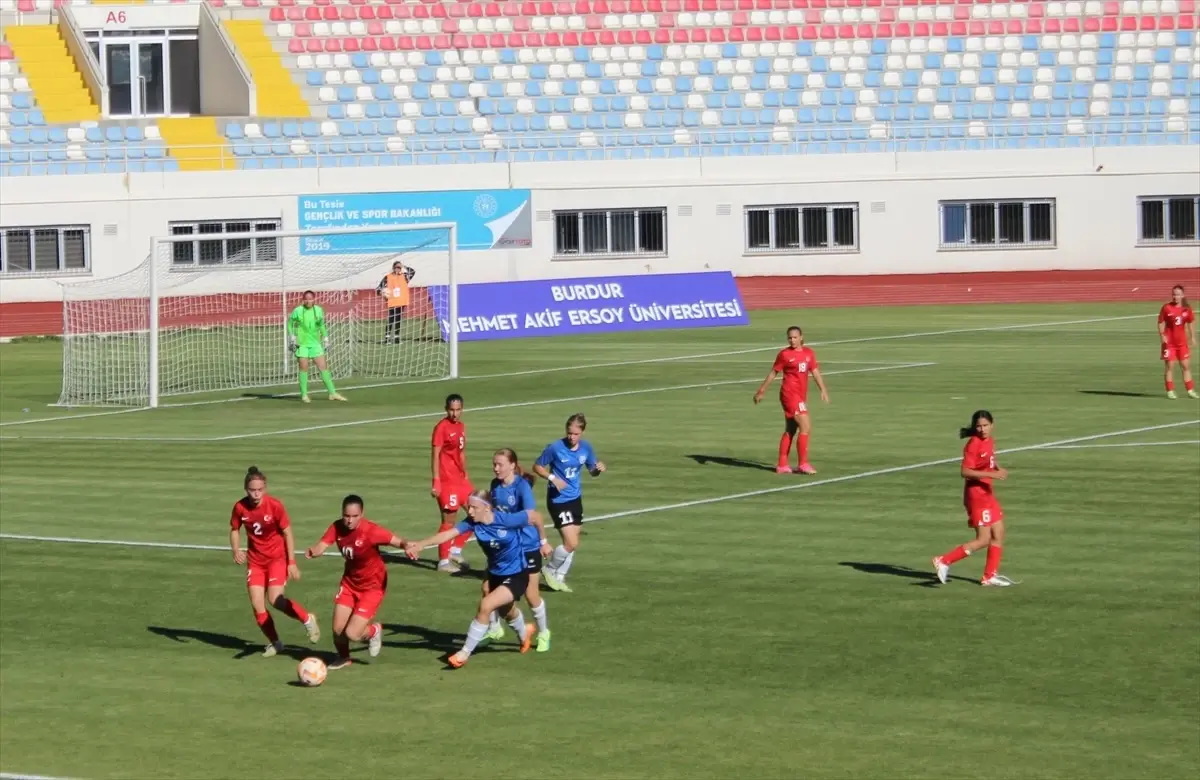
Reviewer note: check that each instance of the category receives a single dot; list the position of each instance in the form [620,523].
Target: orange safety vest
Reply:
[397,290]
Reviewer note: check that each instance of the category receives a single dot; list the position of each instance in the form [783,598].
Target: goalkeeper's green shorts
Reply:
[310,351]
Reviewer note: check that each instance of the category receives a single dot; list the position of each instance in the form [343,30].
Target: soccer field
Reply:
[726,621]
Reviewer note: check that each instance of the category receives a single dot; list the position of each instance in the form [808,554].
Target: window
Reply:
[798,229]
[997,224]
[49,249]
[610,232]
[1171,219]
[210,249]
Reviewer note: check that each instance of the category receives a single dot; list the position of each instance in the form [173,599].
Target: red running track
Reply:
[758,292]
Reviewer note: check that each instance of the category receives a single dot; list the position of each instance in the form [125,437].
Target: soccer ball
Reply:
[311,672]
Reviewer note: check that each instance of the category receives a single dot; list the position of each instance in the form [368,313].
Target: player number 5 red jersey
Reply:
[450,439]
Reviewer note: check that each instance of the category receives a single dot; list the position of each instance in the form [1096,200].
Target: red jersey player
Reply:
[364,580]
[271,560]
[451,486]
[1177,329]
[983,510]
[797,362]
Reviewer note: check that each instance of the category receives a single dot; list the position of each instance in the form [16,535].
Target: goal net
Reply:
[208,313]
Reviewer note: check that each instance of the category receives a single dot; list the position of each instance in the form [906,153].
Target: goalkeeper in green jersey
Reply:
[306,327]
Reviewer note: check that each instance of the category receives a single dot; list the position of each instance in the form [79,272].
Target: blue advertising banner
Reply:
[486,219]
[602,304]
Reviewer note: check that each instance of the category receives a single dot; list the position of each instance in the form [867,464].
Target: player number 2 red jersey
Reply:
[1175,319]
[795,365]
[264,526]
[365,569]
[450,438]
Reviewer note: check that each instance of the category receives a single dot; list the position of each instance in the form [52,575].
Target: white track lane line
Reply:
[670,507]
[615,364]
[430,415]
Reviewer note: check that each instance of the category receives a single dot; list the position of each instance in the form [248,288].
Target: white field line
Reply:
[429,415]
[668,507]
[1193,442]
[18,776]
[613,364]
[879,472]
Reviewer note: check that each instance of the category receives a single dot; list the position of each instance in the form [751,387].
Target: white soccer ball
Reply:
[311,672]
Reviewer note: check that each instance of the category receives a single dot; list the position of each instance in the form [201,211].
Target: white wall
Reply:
[1095,191]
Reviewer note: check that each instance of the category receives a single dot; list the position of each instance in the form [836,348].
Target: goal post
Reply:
[208,313]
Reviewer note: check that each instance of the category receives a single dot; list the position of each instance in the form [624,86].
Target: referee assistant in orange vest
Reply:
[394,288]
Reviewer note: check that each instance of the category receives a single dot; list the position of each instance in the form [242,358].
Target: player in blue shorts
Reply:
[511,492]
[498,533]
[561,464]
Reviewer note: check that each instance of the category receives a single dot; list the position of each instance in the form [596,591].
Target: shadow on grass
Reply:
[925,579]
[1120,393]
[226,642]
[723,460]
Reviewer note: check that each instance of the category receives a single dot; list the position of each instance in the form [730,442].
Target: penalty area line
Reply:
[879,472]
[613,364]
[1193,442]
[668,507]
[431,415]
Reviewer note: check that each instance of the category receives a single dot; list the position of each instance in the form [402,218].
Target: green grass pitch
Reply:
[793,633]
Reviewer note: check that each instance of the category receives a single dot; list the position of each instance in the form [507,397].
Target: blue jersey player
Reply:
[498,533]
[511,492]
[562,464]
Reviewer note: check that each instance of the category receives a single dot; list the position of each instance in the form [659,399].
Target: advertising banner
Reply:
[602,304]
[486,219]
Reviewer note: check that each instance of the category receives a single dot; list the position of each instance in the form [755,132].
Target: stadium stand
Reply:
[399,83]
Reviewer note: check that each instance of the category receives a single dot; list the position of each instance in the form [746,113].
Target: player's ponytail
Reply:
[252,474]
[982,414]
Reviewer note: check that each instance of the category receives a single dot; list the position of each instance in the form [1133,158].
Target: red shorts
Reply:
[793,405]
[452,498]
[274,574]
[1177,352]
[983,512]
[362,602]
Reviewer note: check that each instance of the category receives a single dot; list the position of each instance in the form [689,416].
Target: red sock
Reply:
[955,555]
[444,547]
[785,448]
[1170,384]
[995,552]
[803,448]
[1189,384]
[460,541]
[292,609]
[374,630]
[267,625]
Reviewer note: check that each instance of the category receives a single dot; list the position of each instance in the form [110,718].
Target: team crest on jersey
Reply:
[358,542]
[512,500]
[582,459]
[502,533]
[266,518]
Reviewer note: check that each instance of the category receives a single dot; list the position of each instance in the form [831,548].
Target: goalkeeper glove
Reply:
[294,345]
